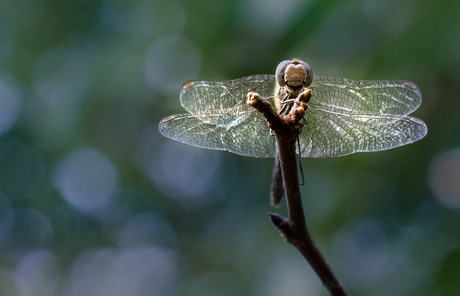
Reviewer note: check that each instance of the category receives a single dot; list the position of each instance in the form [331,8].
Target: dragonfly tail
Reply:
[277,188]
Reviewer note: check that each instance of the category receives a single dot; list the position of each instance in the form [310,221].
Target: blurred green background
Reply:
[94,201]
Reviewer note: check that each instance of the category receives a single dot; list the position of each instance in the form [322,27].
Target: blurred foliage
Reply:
[93,201]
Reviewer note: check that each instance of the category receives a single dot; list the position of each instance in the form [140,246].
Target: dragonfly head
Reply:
[294,74]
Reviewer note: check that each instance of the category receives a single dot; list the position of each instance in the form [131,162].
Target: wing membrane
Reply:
[370,97]
[336,129]
[228,98]
[345,116]
[249,139]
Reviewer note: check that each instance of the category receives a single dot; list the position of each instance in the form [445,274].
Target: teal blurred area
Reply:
[94,201]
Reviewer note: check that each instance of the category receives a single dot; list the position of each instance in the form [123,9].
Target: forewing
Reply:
[249,139]
[223,103]
[366,97]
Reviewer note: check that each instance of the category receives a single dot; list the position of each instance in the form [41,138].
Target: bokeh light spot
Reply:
[170,61]
[86,179]
[288,275]
[364,253]
[272,15]
[444,178]
[134,272]
[147,229]
[185,172]
[35,273]
[181,172]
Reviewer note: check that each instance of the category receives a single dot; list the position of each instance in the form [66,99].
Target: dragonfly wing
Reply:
[347,116]
[371,97]
[333,132]
[223,103]
[249,139]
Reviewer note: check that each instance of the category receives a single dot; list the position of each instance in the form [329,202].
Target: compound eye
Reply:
[309,72]
[280,71]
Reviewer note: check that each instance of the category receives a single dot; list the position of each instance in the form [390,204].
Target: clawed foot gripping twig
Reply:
[294,229]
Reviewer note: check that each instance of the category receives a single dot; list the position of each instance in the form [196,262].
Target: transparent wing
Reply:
[223,103]
[347,116]
[251,138]
[372,97]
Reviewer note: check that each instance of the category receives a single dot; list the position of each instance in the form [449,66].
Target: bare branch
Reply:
[294,229]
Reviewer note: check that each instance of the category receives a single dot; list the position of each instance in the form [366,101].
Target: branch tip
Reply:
[282,224]
[277,219]
[253,98]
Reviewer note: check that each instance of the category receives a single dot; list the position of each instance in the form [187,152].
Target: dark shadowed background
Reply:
[94,201]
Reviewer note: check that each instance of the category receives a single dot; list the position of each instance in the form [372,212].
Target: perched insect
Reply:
[344,116]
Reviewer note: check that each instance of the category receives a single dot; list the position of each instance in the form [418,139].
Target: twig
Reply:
[294,229]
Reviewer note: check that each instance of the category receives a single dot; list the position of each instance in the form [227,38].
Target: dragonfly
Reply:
[344,116]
